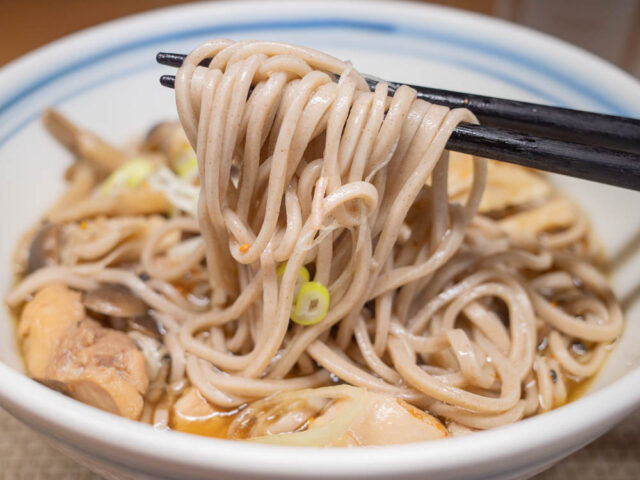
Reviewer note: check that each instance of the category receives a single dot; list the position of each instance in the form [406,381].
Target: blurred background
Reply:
[608,28]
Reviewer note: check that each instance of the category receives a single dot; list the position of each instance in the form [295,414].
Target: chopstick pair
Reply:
[591,146]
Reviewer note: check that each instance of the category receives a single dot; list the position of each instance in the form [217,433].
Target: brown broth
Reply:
[216,424]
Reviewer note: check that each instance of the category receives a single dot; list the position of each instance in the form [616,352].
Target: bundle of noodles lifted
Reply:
[301,262]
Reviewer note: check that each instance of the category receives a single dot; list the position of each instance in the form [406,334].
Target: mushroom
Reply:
[114,300]
[122,309]
[147,325]
[45,247]
[86,145]
[169,140]
[158,137]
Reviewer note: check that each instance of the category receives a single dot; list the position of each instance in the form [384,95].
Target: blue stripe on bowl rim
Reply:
[431,34]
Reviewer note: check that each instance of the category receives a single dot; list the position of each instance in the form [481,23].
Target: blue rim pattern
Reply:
[433,35]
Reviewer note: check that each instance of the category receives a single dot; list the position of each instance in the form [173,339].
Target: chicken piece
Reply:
[385,420]
[507,185]
[555,214]
[96,365]
[193,414]
[45,320]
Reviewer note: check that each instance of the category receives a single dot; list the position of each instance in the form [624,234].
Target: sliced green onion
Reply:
[186,165]
[303,277]
[130,175]
[311,305]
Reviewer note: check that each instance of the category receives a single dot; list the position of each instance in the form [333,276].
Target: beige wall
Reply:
[609,28]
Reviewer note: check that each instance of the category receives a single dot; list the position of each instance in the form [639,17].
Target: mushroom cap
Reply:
[115,301]
[45,247]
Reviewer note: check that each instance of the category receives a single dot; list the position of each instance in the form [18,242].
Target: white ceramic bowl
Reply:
[105,78]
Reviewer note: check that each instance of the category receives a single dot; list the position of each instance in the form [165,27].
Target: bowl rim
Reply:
[75,424]
[103,436]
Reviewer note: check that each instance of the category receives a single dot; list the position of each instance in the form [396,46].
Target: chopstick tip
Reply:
[168,81]
[170,59]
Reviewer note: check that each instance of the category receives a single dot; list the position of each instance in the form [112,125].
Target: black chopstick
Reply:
[589,162]
[599,164]
[620,133]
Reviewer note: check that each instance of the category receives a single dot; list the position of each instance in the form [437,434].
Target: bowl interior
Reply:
[108,82]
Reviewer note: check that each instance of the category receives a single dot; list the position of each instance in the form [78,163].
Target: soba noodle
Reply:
[300,165]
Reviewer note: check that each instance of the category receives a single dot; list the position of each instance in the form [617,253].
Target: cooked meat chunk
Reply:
[385,420]
[507,185]
[558,213]
[96,365]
